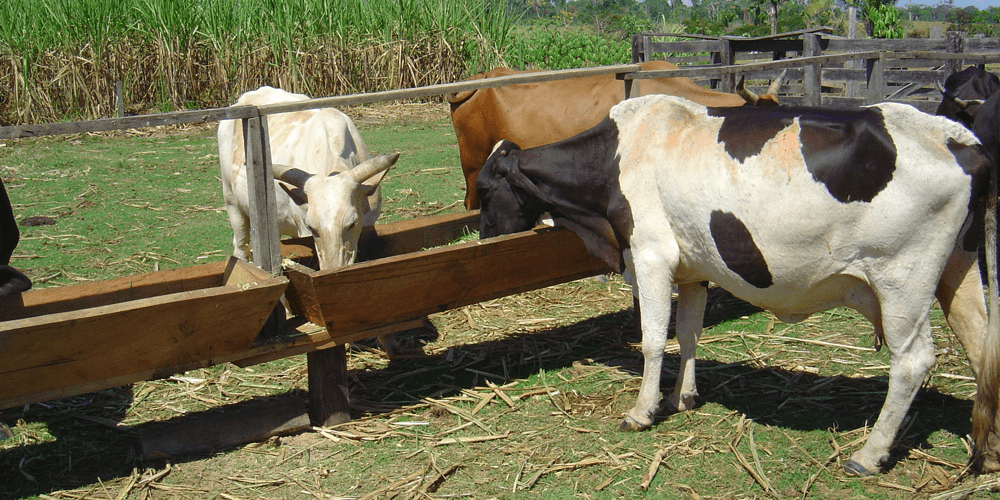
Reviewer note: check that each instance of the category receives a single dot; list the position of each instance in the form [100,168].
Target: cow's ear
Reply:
[368,187]
[297,194]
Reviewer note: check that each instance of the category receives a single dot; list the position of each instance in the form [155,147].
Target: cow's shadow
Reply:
[789,399]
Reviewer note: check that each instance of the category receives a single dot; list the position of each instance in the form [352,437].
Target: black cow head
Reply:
[966,89]
[509,201]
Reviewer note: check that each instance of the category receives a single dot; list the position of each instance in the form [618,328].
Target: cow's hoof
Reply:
[632,425]
[852,468]
[986,465]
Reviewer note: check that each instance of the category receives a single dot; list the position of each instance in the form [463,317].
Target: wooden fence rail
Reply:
[903,67]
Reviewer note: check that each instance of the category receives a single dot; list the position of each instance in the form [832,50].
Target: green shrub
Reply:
[549,48]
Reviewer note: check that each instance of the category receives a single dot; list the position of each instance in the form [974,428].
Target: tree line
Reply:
[878,18]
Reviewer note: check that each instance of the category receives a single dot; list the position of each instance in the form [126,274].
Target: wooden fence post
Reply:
[811,73]
[725,57]
[876,81]
[264,235]
[853,86]
[956,45]
[639,42]
[638,50]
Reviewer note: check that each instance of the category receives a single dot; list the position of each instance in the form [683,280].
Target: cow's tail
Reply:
[984,412]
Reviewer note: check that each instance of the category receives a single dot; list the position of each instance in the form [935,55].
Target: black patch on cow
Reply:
[851,153]
[744,131]
[975,161]
[738,250]
[848,151]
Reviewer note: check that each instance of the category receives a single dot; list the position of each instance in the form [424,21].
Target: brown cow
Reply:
[535,114]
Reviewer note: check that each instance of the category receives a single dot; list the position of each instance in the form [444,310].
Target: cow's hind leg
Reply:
[908,335]
[691,299]
[960,293]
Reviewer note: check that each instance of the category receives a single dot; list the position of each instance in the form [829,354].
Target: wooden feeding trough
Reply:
[413,276]
[62,341]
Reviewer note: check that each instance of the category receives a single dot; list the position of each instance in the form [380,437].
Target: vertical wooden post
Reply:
[956,45]
[329,400]
[118,97]
[725,57]
[264,235]
[637,48]
[853,85]
[876,81]
[811,73]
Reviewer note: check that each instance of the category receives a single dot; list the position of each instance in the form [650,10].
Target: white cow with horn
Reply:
[330,184]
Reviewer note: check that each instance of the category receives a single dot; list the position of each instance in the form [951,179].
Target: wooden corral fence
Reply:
[825,69]
[397,283]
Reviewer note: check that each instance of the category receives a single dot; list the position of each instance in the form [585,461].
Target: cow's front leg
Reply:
[241,231]
[653,277]
[691,299]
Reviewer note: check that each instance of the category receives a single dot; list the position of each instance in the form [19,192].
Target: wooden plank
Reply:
[329,394]
[52,300]
[445,88]
[103,125]
[685,46]
[240,112]
[372,294]
[210,431]
[772,65]
[886,44]
[76,351]
[969,58]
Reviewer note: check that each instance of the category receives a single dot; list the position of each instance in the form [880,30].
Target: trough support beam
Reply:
[329,400]
[264,236]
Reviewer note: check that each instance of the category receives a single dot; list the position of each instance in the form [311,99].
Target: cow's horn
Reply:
[293,176]
[747,95]
[962,103]
[373,166]
[776,84]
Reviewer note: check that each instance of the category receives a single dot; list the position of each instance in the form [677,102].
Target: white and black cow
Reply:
[11,280]
[796,210]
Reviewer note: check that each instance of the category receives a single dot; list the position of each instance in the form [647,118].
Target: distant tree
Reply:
[879,18]
[962,19]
